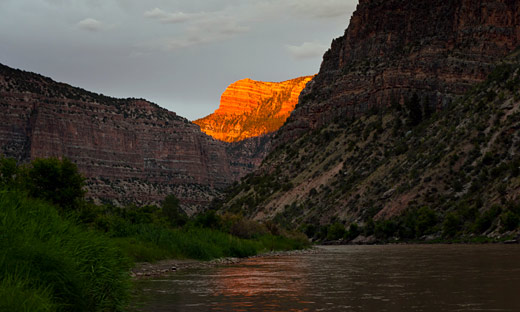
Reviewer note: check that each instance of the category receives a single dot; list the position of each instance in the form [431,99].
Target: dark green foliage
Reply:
[171,209]
[426,220]
[353,232]
[510,220]
[369,227]
[385,229]
[335,231]
[310,230]
[452,224]
[16,295]
[485,220]
[54,262]
[146,235]
[208,219]
[55,180]
[8,172]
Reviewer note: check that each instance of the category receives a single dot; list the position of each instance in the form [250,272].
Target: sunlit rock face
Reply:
[250,108]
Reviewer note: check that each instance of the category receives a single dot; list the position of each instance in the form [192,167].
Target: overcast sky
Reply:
[180,54]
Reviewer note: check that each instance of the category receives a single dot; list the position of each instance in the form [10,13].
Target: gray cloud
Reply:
[201,28]
[322,8]
[307,50]
[165,17]
[181,54]
[91,24]
[318,9]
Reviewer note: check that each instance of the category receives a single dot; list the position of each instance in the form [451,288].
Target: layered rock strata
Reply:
[250,108]
[395,48]
[130,150]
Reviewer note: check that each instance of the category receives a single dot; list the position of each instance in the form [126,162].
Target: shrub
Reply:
[335,231]
[248,229]
[510,221]
[171,209]
[57,181]
[209,219]
[426,220]
[485,220]
[353,232]
[451,225]
[385,229]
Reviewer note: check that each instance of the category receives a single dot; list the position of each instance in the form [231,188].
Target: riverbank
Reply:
[510,238]
[145,270]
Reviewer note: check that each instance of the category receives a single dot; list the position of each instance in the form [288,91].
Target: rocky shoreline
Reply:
[145,270]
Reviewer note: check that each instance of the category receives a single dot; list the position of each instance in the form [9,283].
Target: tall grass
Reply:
[150,242]
[51,263]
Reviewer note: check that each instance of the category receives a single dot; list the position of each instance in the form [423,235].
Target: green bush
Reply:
[171,209]
[335,231]
[57,181]
[452,224]
[426,221]
[485,220]
[385,229]
[353,232]
[510,221]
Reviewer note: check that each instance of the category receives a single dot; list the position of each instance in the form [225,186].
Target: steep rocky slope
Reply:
[250,108]
[401,125]
[394,48]
[131,150]
[247,155]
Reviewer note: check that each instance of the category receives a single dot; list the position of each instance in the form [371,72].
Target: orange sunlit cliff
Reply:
[250,108]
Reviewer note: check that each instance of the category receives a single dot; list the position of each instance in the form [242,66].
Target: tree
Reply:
[55,180]
[171,209]
[452,224]
[335,231]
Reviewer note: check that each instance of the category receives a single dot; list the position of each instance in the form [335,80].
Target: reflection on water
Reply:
[349,278]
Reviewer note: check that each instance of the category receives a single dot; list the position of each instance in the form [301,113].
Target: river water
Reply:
[348,278]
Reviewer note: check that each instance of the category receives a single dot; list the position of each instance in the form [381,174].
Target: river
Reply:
[348,278]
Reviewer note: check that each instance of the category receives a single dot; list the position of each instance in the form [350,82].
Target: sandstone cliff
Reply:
[131,150]
[250,108]
[412,122]
[395,48]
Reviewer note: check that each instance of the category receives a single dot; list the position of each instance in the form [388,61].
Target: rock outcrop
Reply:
[131,150]
[250,108]
[395,48]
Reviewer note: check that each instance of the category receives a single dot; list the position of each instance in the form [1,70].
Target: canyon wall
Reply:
[395,48]
[130,150]
[416,107]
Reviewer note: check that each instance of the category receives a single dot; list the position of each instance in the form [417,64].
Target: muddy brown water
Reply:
[348,278]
